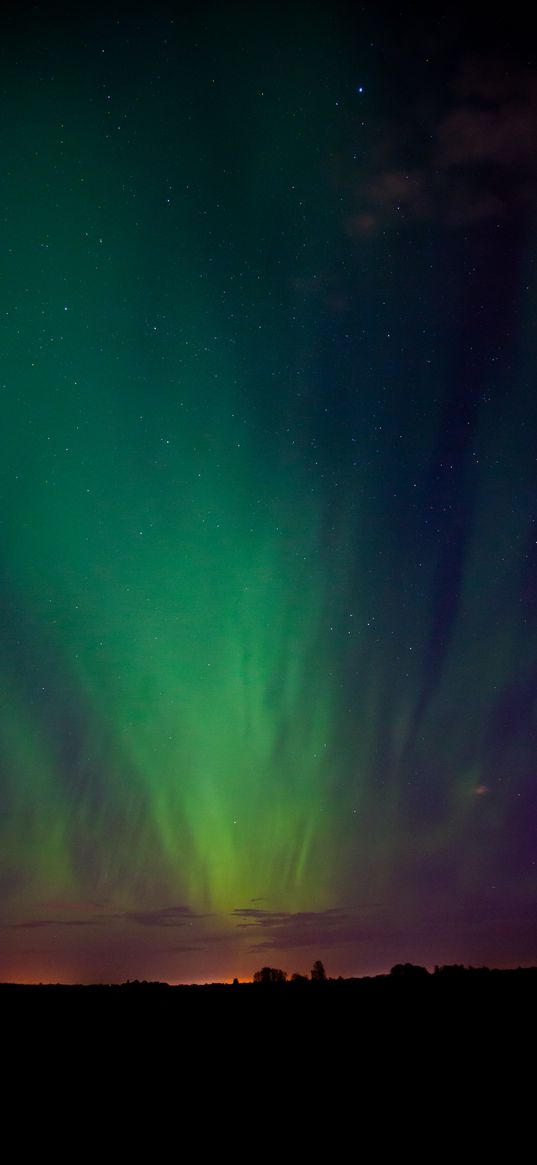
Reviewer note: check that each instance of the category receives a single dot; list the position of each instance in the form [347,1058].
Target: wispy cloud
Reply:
[37,923]
[179,950]
[62,904]
[282,930]
[159,916]
[163,916]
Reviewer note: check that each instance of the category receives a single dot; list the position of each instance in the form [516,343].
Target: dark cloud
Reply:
[282,930]
[264,918]
[477,159]
[61,904]
[179,950]
[165,916]
[36,923]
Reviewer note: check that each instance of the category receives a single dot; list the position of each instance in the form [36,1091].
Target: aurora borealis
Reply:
[269,491]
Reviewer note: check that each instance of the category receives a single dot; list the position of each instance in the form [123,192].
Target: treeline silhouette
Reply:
[408,1008]
[275,977]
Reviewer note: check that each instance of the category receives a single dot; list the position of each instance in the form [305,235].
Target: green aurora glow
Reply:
[266,525]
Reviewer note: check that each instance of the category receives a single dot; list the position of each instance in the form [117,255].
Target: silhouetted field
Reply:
[408,1042]
[407,996]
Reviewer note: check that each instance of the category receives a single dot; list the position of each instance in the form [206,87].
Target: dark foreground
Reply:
[389,1057]
[351,1008]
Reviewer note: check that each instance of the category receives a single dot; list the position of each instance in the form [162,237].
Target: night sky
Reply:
[269,490]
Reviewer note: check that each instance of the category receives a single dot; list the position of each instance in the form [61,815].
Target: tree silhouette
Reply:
[409,971]
[318,972]
[270,975]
